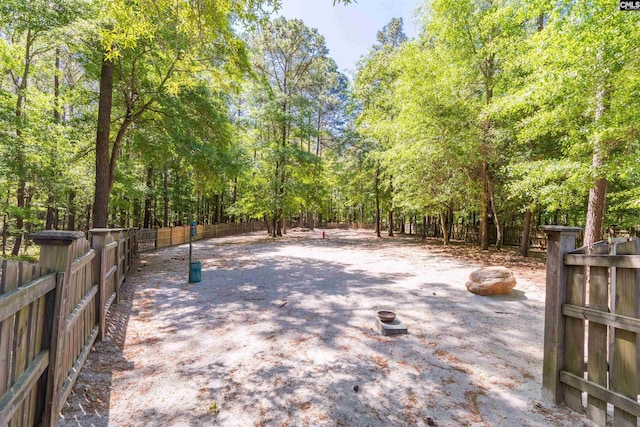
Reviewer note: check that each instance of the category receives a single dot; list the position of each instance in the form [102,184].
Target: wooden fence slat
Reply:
[574,335]
[74,371]
[37,320]
[20,349]
[624,369]
[10,279]
[21,388]
[561,241]
[597,342]
[13,301]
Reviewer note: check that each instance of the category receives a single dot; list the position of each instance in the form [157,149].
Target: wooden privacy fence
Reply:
[150,239]
[51,314]
[592,327]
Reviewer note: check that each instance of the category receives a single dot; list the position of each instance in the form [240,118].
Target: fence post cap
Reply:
[100,231]
[56,237]
[561,229]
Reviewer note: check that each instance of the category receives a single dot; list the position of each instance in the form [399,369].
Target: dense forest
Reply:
[141,113]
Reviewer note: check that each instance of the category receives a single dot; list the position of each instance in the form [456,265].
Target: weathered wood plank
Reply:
[561,241]
[12,400]
[594,260]
[10,274]
[592,389]
[13,301]
[37,320]
[618,321]
[58,344]
[597,345]
[20,352]
[574,335]
[624,370]
[77,366]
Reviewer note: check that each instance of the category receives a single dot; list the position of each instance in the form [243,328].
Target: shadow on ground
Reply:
[281,332]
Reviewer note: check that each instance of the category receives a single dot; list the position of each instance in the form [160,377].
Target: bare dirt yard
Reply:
[282,332]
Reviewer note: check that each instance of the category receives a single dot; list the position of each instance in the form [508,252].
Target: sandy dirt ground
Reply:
[282,332]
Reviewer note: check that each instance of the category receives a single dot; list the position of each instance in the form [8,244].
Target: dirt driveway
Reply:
[281,332]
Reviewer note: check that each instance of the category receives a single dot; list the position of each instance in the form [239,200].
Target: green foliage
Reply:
[264,125]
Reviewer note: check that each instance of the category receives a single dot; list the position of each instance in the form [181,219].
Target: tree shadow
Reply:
[283,332]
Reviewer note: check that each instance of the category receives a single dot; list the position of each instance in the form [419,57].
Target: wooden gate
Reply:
[592,327]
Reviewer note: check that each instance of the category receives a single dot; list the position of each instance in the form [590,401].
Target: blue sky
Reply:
[350,30]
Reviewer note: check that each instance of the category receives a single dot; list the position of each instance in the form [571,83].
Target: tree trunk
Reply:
[524,244]
[235,196]
[71,218]
[136,213]
[377,185]
[103,184]
[146,223]
[424,227]
[484,209]
[444,226]
[49,223]
[19,218]
[495,216]
[594,227]
[318,135]
[391,207]
[20,159]
[28,225]
[165,194]
[269,226]
[541,22]
[57,118]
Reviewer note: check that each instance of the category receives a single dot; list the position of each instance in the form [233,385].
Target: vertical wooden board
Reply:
[598,338]
[10,273]
[32,352]
[40,389]
[574,336]
[20,355]
[623,367]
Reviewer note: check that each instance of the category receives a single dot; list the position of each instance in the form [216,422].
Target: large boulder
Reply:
[491,281]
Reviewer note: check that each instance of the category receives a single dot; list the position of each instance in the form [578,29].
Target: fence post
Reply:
[560,241]
[116,233]
[98,243]
[56,256]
